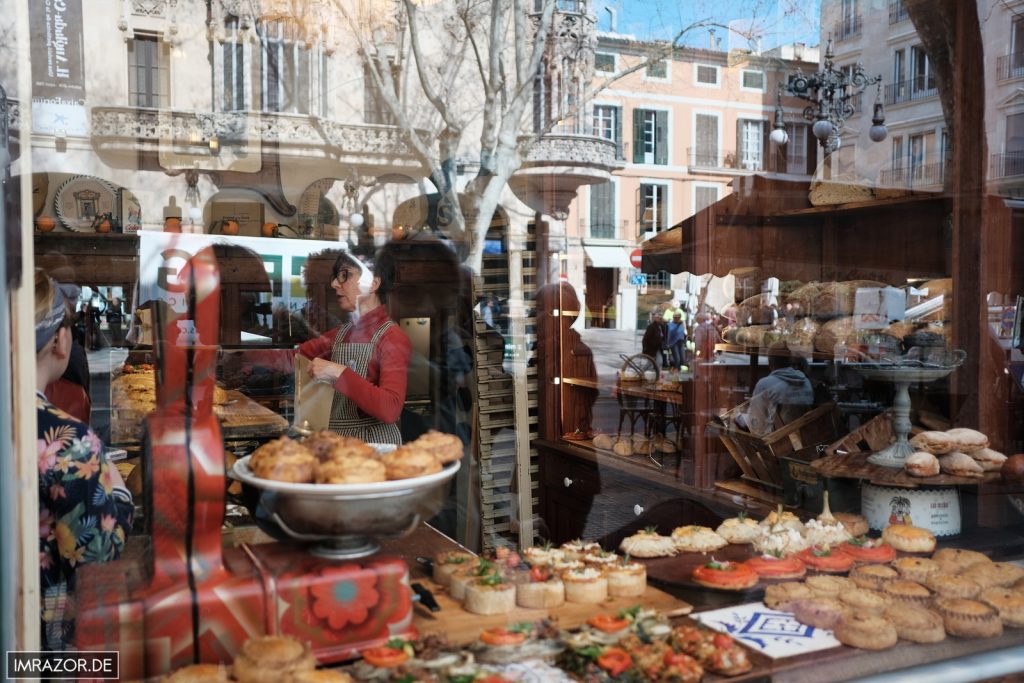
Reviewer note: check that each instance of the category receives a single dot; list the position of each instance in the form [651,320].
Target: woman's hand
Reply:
[326,371]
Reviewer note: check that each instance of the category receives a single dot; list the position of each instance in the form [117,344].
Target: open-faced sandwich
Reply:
[825,558]
[716,652]
[516,642]
[769,566]
[868,550]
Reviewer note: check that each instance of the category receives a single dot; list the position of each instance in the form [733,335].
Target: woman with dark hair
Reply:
[366,360]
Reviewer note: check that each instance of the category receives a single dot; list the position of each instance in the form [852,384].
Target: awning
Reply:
[665,251]
[607,256]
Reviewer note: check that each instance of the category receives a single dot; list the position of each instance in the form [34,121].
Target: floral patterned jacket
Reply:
[82,516]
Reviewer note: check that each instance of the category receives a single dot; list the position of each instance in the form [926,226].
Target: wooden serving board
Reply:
[243,418]
[856,466]
[463,627]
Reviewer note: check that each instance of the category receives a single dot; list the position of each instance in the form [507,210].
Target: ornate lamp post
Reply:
[831,93]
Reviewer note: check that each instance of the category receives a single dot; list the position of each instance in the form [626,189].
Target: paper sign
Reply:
[876,307]
[776,634]
[312,399]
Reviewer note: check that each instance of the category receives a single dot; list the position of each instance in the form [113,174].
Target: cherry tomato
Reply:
[677,659]
[501,636]
[385,657]
[614,660]
[608,623]
[722,641]
[540,574]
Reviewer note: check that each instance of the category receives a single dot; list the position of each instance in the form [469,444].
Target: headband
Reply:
[47,328]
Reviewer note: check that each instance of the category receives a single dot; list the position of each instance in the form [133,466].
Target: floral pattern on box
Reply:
[776,634]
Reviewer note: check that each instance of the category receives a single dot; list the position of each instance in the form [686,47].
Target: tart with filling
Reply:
[772,567]
[587,585]
[490,594]
[868,550]
[448,562]
[541,589]
[915,623]
[725,575]
[865,630]
[969,618]
[825,559]
[648,543]
[626,579]
[740,529]
[697,539]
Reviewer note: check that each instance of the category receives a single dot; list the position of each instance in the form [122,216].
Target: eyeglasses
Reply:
[342,275]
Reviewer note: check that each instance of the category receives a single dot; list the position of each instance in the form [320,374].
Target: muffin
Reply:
[272,658]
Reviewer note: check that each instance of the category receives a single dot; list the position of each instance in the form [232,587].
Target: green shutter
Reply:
[638,136]
[661,137]
[618,132]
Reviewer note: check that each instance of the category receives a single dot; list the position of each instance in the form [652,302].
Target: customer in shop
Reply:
[366,359]
[85,510]
[785,393]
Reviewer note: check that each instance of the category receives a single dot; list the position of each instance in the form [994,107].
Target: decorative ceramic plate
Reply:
[80,199]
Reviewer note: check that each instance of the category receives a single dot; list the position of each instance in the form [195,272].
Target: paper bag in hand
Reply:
[312,399]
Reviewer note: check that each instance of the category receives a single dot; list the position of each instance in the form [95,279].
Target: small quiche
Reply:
[697,539]
[725,576]
[648,543]
[587,585]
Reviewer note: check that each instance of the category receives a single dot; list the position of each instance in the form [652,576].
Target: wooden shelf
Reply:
[856,466]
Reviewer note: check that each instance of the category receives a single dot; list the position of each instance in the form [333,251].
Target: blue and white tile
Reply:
[773,633]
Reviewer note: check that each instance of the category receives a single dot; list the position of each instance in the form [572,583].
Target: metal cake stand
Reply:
[902,375]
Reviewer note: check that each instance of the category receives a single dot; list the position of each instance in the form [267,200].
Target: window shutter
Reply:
[617,112]
[638,136]
[661,137]
[811,148]
[639,210]
[741,151]
[765,148]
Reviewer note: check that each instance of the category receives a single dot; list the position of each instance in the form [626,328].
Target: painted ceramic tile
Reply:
[776,634]
[533,671]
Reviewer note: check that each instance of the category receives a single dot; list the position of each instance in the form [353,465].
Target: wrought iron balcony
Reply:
[1006,165]
[848,27]
[922,175]
[1010,66]
[724,160]
[897,12]
[910,90]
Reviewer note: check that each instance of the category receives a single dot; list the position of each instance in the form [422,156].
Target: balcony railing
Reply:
[923,175]
[1006,165]
[605,229]
[1010,66]
[719,160]
[573,150]
[848,27]
[897,12]
[912,89]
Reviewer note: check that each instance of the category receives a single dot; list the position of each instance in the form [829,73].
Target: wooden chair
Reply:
[635,409]
[758,456]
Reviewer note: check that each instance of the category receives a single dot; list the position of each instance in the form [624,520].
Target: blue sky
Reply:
[775,21]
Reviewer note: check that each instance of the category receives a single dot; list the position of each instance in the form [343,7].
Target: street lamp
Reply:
[831,93]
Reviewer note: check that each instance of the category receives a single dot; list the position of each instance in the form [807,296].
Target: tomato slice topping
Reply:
[540,574]
[608,623]
[614,660]
[501,636]
[385,657]
[722,641]
[677,659]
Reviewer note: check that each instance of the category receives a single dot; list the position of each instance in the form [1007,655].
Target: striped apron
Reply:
[345,417]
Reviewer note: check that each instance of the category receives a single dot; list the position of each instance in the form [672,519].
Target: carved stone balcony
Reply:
[557,164]
[212,140]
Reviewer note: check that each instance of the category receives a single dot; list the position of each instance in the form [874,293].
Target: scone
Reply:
[351,470]
[284,459]
[967,440]
[865,630]
[648,543]
[325,445]
[873,576]
[739,530]
[697,539]
[781,596]
[969,618]
[916,624]
[406,462]
[271,658]
[199,673]
[1009,603]
[909,539]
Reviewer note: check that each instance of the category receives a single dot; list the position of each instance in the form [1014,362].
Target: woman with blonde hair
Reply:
[85,509]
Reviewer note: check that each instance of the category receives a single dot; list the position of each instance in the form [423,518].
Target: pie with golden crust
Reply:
[907,592]
[916,624]
[916,568]
[952,586]
[865,630]
[818,612]
[781,596]
[955,560]
[864,599]
[909,539]
[992,574]
[829,586]
[969,618]
[872,576]
[1009,603]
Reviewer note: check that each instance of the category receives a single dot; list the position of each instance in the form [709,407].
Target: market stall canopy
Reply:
[607,256]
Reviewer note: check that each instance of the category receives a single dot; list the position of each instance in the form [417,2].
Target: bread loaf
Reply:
[757,310]
[835,332]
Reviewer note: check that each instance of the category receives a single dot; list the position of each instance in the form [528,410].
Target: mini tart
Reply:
[952,586]
[697,539]
[626,580]
[459,580]
[781,596]
[199,673]
[909,539]
[916,624]
[539,556]
[739,530]
[587,585]
[1009,603]
[771,567]
[873,576]
[865,630]
[725,576]
[817,612]
[448,562]
[648,544]
[484,596]
[829,586]
[993,574]
[907,591]
[916,568]
[969,618]
[856,524]
[955,560]
[601,559]
[563,566]
[868,550]
[541,594]
[271,658]
[576,550]
[864,599]
[825,559]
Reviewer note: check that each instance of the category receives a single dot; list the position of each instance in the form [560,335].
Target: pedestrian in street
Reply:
[654,337]
[677,339]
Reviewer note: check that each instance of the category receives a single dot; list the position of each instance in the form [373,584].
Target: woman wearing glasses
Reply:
[366,360]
